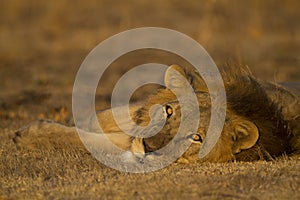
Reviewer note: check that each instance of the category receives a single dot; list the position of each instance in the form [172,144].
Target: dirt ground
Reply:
[42,45]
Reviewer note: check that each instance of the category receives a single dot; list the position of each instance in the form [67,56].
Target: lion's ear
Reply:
[176,79]
[245,135]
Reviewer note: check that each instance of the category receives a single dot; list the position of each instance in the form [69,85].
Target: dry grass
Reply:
[62,171]
[42,45]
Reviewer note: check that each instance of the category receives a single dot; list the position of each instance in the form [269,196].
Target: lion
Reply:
[262,120]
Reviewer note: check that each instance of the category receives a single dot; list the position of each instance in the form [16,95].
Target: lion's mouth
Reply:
[148,149]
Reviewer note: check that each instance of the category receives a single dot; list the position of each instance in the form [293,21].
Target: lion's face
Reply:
[238,134]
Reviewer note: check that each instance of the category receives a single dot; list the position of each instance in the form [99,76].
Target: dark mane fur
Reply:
[247,98]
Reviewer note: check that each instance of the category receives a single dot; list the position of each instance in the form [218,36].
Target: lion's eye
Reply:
[169,111]
[197,138]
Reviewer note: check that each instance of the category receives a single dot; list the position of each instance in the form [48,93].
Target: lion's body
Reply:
[262,120]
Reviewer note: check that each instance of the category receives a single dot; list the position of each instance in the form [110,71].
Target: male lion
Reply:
[262,120]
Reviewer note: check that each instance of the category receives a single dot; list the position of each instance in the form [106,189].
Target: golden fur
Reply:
[262,119]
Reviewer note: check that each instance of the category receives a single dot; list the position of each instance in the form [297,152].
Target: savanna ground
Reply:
[42,46]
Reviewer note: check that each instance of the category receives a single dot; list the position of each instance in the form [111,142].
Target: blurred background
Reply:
[43,43]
